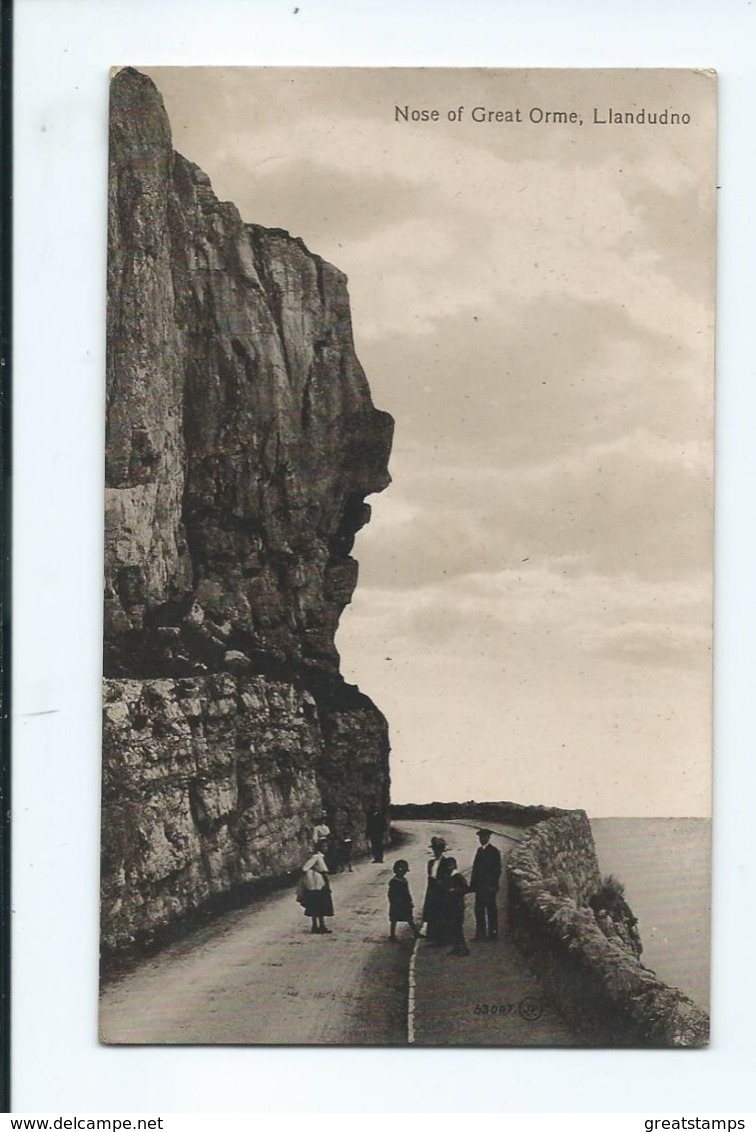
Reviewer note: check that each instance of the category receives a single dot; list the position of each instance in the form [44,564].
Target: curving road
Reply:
[258,976]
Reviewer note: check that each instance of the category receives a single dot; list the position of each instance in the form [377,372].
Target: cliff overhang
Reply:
[241,443]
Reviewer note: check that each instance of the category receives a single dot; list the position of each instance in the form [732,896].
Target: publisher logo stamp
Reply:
[530,1009]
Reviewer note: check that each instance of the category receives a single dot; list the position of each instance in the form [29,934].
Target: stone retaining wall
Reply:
[596,983]
[210,787]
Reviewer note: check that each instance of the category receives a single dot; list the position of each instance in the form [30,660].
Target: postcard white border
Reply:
[63,49]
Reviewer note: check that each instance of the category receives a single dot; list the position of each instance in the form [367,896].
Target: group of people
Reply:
[444,904]
[336,850]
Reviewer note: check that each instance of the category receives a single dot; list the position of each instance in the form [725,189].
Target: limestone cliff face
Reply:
[241,443]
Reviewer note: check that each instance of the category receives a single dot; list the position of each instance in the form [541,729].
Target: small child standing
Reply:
[400,900]
[456,910]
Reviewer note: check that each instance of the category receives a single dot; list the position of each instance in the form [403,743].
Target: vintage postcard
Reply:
[407,656]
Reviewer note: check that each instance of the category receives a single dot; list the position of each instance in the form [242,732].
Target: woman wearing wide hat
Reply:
[434,894]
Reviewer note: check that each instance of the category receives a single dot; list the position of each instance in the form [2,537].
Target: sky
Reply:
[533,302]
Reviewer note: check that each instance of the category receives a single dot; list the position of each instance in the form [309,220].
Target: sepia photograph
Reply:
[408,557]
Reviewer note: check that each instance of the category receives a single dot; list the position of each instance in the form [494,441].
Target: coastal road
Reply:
[257,976]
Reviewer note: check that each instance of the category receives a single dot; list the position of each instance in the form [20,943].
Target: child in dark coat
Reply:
[401,910]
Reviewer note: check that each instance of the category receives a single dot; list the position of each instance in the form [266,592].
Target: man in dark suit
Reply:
[376,832]
[484,882]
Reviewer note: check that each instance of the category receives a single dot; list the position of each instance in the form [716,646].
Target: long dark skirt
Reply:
[318,903]
[433,909]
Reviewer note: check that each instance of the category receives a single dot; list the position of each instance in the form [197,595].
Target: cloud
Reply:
[535,686]
[304,195]
[522,215]
[525,381]
[535,307]
[653,644]
[639,506]
[537,619]
[675,225]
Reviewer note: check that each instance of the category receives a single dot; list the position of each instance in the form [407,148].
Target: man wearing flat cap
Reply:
[484,882]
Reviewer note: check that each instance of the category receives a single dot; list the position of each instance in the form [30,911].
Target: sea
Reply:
[665,866]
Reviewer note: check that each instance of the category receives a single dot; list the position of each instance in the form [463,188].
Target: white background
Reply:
[63,51]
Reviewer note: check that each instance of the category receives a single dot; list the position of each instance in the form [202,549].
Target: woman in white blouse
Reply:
[316,889]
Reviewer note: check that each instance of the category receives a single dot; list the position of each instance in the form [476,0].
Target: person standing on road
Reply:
[321,829]
[315,891]
[401,908]
[484,882]
[455,904]
[376,831]
[346,853]
[433,907]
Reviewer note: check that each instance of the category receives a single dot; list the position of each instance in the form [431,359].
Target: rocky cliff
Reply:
[241,443]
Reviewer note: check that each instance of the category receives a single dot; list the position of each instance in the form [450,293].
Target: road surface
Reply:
[257,976]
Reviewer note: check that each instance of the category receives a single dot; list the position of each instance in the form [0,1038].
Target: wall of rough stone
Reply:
[205,784]
[597,983]
[241,442]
